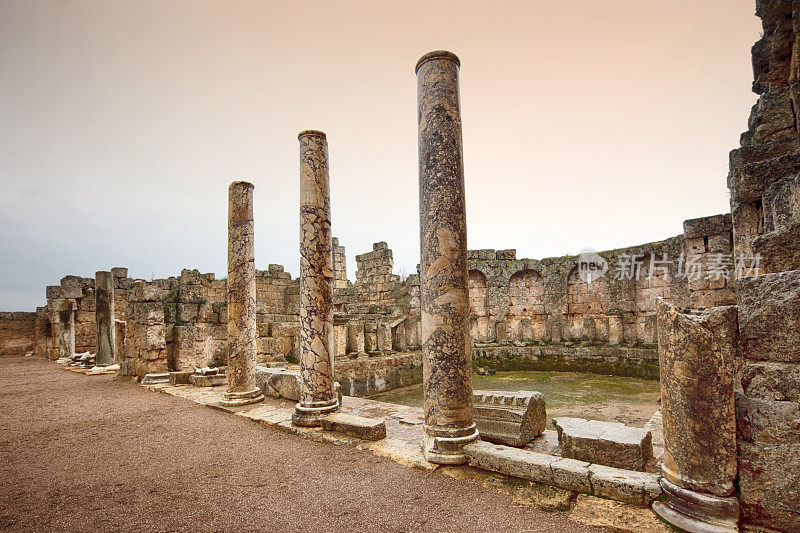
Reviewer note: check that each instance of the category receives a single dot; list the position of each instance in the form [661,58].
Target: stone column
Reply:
[317,395]
[104,316]
[66,328]
[696,360]
[242,388]
[444,292]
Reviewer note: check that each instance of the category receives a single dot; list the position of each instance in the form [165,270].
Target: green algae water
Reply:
[629,400]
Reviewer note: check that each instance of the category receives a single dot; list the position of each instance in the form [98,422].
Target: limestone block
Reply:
[770,488]
[211,380]
[511,418]
[765,421]
[119,272]
[279,381]
[159,377]
[624,485]
[523,464]
[607,443]
[571,474]
[769,316]
[355,426]
[180,378]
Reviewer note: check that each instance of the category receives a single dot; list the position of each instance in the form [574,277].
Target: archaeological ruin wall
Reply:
[765,206]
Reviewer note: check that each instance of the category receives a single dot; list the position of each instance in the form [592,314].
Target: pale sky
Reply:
[587,124]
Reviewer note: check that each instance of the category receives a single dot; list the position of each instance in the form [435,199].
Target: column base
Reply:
[234,399]
[311,417]
[696,512]
[448,450]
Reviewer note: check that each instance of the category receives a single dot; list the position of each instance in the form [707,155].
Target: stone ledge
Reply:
[626,486]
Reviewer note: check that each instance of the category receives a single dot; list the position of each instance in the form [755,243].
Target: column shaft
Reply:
[242,389]
[444,293]
[104,317]
[317,395]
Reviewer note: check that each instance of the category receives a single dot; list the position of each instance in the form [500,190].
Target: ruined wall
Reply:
[16,333]
[765,206]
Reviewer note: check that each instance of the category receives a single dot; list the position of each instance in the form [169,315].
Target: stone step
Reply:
[355,426]
[627,486]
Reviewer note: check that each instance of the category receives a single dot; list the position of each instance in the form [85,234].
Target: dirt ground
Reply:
[90,453]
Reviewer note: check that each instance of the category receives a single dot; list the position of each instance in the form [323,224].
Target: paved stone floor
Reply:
[81,453]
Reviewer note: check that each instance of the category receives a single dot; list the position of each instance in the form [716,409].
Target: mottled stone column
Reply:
[104,316]
[66,328]
[242,388]
[317,395]
[444,293]
[696,360]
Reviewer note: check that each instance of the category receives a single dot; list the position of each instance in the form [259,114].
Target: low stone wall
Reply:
[370,375]
[16,333]
[639,362]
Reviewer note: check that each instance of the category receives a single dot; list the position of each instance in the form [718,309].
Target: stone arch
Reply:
[526,314]
[586,307]
[478,306]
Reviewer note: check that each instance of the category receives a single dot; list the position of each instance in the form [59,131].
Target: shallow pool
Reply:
[629,400]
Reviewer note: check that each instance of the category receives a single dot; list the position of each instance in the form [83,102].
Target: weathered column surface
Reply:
[242,388]
[317,395]
[104,316]
[66,328]
[444,293]
[696,360]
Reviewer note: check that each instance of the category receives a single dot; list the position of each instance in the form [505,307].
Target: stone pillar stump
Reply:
[317,394]
[241,290]
[696,359]
[444,293]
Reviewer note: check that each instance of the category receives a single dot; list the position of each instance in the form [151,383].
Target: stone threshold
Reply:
[403,444]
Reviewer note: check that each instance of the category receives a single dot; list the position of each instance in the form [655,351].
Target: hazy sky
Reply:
[586,124]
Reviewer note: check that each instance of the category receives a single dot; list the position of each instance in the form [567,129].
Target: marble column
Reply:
[696,359]
[317,394]
[444,293]
[242,388]
[66,328]
[105,353]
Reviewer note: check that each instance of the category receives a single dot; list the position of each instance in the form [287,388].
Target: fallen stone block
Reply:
[180,378]
[355,426]
[159,377]
[622,485]
[511,418]
[606,443]
[279,382]
[208,380]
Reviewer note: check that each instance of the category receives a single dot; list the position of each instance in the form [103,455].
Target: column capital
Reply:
[438,54]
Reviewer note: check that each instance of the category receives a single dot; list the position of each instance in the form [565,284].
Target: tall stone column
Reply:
[317,394]
[104,316]
[444,292]
[242,388]
[66,328]
[696,360]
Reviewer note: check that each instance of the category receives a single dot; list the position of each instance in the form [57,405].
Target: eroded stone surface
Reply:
[355,426]
[696,359]
[105,353]
[605,443]
[241,292]
[511,418]
[444,291]
[317,395]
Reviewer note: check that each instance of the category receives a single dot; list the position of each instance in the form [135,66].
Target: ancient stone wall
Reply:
[765,207]
[16,333]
